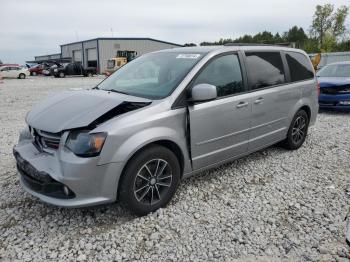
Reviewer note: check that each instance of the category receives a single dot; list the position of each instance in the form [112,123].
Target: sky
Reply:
[38,27]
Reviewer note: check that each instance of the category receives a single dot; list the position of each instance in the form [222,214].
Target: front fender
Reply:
[145,137]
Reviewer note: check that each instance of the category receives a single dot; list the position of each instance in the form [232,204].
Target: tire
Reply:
[89,74]
[61,75]
[33,73]
[297,131]
[140,190]
[22,76]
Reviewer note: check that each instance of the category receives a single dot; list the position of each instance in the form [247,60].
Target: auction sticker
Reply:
[188,56]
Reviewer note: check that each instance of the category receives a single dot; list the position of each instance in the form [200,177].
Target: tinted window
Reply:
[223,72]
[265,69]
[299,66]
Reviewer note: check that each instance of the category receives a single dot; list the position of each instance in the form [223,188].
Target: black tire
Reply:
[22,76]
[142,193]
[33,73]
[297,131]
[61,74]
[89,74]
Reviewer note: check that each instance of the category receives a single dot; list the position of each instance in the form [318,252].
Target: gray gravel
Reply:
[273,205]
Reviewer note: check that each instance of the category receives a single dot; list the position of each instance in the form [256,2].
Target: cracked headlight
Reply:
[83,144]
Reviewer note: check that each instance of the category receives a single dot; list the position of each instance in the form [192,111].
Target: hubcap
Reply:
[152,181]
[299,129]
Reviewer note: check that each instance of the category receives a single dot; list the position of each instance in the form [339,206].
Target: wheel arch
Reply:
[302,104]
[307,109]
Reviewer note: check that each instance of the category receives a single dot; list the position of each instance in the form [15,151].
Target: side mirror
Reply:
[203,92]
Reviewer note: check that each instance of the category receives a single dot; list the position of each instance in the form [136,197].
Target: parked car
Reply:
[14,72]
[72,69]
[9,65]
[334,82]
[161,118]
[36,70]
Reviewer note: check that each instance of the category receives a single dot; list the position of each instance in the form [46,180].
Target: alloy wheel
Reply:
[299,129]
[153,181]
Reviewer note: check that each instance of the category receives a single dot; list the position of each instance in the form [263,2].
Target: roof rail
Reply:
[251,44]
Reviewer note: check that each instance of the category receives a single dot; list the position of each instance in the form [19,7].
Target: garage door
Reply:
[77,55]
[92,54]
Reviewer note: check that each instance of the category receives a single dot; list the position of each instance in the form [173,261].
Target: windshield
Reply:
[152,76]
[339,70]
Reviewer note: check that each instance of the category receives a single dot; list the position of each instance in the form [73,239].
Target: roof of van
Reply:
[207,49]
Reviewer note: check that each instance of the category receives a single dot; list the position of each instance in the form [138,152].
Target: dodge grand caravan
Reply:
[163,117]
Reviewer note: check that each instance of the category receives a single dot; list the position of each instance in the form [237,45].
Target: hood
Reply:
[77,109]
[333,81]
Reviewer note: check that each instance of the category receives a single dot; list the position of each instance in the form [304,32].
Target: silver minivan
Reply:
[161,118]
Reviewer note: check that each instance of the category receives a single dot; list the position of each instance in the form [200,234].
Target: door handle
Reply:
[259,100]
[242,104]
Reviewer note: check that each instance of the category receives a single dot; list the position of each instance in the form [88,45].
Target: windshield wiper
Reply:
[115,91]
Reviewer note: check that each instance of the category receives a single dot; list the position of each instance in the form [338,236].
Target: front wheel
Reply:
[61,75]
[22,76]
[150,180]
[297,131]
[89,74]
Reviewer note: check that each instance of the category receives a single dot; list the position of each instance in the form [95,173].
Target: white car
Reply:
[14,72]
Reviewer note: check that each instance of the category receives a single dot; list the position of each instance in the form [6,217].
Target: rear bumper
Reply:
[44,175]
[341,102]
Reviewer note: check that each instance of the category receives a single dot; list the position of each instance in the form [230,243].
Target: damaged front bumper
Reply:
[61,178]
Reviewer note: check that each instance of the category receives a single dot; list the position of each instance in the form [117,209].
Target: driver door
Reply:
[219,129]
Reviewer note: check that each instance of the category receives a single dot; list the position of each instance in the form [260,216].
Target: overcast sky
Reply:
[38,27]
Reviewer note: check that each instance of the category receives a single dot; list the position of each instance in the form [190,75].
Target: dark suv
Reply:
[75,68]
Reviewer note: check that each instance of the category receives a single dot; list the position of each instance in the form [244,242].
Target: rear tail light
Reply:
[318,88]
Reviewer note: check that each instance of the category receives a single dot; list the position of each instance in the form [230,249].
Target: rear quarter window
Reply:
[299,66]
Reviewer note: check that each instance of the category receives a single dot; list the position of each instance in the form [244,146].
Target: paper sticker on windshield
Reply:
[188,56]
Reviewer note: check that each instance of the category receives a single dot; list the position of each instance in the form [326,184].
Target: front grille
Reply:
[44,139]
[336,90]
[327,103]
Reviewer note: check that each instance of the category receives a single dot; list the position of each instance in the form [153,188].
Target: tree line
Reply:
[327,33]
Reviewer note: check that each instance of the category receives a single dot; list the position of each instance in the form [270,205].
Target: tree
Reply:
[295,34]
[326,21]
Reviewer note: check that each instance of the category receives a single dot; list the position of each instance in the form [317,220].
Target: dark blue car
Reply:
[334,82]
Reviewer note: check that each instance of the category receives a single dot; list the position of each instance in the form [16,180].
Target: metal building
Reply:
[96,52]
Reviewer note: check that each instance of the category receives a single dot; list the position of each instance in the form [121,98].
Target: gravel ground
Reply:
[272,205]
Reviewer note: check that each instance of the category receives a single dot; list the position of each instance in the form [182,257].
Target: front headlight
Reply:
[83,144]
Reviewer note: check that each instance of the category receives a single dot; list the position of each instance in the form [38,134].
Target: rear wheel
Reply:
[297,131]
[33,73]
[150,180]
[61,75]
[89,74]
[22,76]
